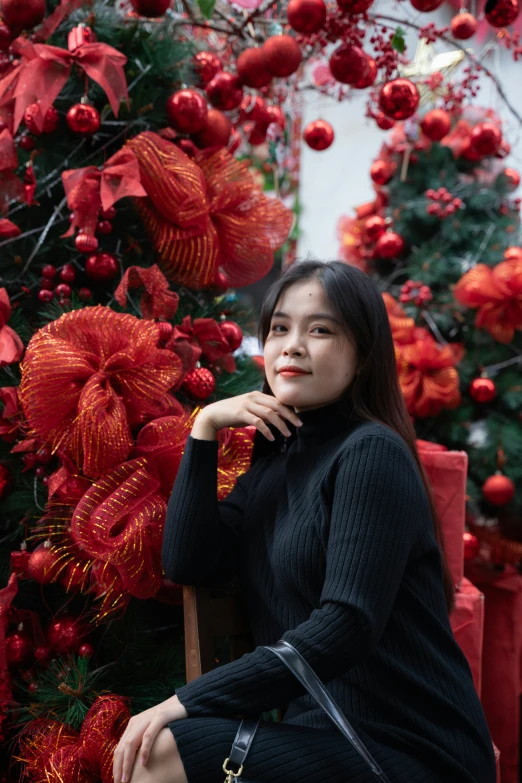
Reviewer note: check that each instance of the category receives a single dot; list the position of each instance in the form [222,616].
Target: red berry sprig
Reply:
[415,291]
[443,203]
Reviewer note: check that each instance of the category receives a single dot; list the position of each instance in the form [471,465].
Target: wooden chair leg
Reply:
[199,656]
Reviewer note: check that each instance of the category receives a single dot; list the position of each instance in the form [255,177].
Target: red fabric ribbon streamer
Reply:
[44,70]
[90,188]
[10,185]
[190,339]
[8,229]
[157,301]
[11,346]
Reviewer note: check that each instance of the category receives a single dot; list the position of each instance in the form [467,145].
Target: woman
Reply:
[338,547]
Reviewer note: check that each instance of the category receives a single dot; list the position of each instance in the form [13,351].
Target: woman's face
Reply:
[305,334]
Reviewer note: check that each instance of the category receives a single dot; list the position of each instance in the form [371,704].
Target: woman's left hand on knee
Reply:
[142,730]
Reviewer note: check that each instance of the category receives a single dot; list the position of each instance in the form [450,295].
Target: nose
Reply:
[293,347]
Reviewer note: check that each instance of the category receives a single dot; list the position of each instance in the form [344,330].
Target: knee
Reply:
[163,760]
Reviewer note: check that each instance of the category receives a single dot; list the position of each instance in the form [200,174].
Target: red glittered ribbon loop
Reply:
[44,70]
[90,189]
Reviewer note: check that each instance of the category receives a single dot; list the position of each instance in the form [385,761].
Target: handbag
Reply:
[311,682]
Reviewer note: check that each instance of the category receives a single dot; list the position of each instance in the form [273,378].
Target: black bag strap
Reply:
[300,668]
[240,747]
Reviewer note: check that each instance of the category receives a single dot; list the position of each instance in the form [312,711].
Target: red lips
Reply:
[290,368]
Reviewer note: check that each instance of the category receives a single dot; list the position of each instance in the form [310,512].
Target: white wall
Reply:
[336,180]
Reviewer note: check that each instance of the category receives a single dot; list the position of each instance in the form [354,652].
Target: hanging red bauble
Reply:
[216,132]
[370,76]
[49,270]
[513,253]
[199,383]
[282,55]
[42,654]
[104,227]
[6,36]
[512,177]
[498,489]
[232,334]
[354,6]
[485,138]
[381,171]
[349,64]
[67,273]
[75,577]
[206,65]
[187,111]
[253,109]
[482,390]
[22,14]
[471,546]
[436,124]
[384,122]
[255,132]
[102,267]
[65,634]
[19,649]
[83,119]
[319,135]
[32,118]
[43,564]
[426,5]
[27,143]
[275,114]
[306,16]
[499,13]
[85,243]
[86,651]
[252,69]
[389,245]
[464,26]
[150,8]
[399,99]
[374,227]
[224,91]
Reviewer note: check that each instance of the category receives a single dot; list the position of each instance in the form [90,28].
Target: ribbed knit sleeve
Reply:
[201,533]
[378,501]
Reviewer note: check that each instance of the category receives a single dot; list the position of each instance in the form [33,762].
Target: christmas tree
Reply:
[442,241]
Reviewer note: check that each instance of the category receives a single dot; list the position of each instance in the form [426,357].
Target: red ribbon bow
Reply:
[90,188]
[44,70]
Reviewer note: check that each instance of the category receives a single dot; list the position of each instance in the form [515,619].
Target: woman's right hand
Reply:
[251,409]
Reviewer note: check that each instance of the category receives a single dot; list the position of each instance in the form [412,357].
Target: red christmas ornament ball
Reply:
[232,334]
[482,390]
[104,227]
[513,253]
[389,245]
[471,546]
[512,177]
[27,143]
[354,6]
[275,114]
[319,135]
[381,172]
[85,294]
[464,26]
[374,227]
[86,650]
[498,489]
[22,14]
[369,77]
[306,16]
[63,290]
[67,273]
[48,270]
[224,91]
[384,122]
[253,109]
[216,132]
[256,132]
[43,565]
[108,214]
[150,8]
[499,13]
[19,649]
[42,654]
[399,99]
[65,634]
[436,124]
[206,65]
[199,383]
[101,267]
[83,119]
[252,69]
[426,5]
[485,138]
[85,243]
[186,111]
[349,64]
[32,119]
[45,296]
[282,55]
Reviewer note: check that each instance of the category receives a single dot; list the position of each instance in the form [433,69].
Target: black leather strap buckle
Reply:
[240,747]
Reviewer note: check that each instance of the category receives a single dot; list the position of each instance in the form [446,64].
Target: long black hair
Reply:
[375,393]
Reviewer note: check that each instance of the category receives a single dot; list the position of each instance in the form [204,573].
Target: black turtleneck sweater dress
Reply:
[331,535]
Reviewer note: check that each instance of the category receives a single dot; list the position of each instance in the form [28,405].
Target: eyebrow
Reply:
[311,317]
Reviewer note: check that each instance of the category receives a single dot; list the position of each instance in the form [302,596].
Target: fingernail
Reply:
[299,423]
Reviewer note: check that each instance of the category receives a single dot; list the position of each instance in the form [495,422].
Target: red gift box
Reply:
[501,654]
[467,623]
[447,472]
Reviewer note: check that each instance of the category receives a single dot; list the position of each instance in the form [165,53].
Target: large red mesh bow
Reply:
[427,375]
[43,71]
[497,293]
[207,214]
[91,376]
